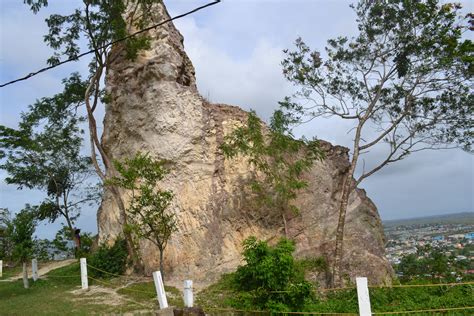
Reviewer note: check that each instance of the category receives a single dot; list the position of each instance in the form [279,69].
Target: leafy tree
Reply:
[405,81]
[22,228]
[147,212]
[44,153]
[277,157]
[99,22]
[271,276]
[6,246]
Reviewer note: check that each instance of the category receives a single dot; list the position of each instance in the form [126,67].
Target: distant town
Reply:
[452,234]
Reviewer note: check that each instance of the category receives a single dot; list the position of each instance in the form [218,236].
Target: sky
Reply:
[236,48]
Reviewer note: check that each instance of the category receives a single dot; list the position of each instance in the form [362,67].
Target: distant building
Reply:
[438,238]
[469,236]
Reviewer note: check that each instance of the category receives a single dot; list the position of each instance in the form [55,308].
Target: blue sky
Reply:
[236,48]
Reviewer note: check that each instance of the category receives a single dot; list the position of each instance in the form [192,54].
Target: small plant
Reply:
[111,259]
[271,278]
[147,214]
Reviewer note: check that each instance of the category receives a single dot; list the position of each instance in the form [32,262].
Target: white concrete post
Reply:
[188,293]
[363,297]
[1,268]
[160,290]
[34,269]
[84,280]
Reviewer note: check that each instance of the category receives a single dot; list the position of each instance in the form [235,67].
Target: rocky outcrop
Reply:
[155,107]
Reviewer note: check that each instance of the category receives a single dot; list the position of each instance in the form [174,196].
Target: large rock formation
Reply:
[155,107]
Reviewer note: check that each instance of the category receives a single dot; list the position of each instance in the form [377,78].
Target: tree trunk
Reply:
[285,225]
[346,190]
[337,267]
[137,263]
[73,236]
[161,266]
[25,276]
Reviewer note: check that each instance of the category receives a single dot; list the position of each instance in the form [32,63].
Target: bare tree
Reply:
[404,81]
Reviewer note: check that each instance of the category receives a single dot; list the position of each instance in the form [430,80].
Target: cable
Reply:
[422,285]
[32,74]
[103,271]
[276,312]
[425,310]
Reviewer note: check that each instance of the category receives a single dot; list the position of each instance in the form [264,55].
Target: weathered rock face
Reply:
[155,107]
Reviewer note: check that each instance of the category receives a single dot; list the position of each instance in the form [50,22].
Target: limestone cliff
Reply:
[155,107]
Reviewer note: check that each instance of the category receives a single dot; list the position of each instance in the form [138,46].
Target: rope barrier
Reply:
[103,271]
[116,275]
[120,288]
[275,312]
[422,285]
[398,286]
[128,299]
[425,310]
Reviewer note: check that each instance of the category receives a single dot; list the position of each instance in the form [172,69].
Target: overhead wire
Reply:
[75,58]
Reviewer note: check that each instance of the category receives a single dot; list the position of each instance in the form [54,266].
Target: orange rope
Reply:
[122,288]
[425,310]
[275,312]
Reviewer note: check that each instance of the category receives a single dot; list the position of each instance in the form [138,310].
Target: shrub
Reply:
[112,259]
[271,276]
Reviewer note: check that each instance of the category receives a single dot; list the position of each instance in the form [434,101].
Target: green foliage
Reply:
[147,213]
[6,245]
[22,228]
[87,241]
[100,22]
[277,156]
[112,259]
[41,249]
[44,153]
[224,294]
[61,241]
[431,264]
[318,264]
[410,67]
[270,278]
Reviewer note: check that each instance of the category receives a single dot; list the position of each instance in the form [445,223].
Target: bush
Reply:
[271,277]
[112,259]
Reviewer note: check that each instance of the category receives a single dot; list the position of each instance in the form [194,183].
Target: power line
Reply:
[32,74]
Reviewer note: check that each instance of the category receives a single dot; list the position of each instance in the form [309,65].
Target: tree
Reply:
[22,228]
[405,81]
[147,211]
[99,22]
[6,246]
[278,158]
[44,153]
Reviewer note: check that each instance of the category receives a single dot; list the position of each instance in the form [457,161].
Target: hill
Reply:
[457,218]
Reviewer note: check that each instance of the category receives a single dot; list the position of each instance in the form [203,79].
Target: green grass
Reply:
[52,296]
[222,295]
[145,293]
[10,272]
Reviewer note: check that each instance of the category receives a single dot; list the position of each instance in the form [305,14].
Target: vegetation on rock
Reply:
[278,159]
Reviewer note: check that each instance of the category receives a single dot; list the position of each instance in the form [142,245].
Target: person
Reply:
[77,238]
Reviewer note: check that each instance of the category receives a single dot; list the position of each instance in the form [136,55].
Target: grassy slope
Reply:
[222,295]
[52,296]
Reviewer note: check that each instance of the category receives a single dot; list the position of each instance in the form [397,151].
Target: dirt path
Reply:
[44,268]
